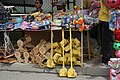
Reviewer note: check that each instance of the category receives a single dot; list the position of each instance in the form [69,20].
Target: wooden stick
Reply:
[82,37]
[88,44]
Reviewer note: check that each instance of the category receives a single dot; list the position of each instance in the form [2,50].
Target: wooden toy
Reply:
[35,51]
[26,57]
[74,60]
[58,50]
[55,45]
[18,56]
[20,46]
[27,39]
[65,42]
[76,41]
[32,57]
[56,57]
[76,52]
[39,61]
[42,50]
[67,48]
[20,51]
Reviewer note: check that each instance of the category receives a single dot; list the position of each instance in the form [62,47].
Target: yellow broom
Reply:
[50,62]
[71,72]
[63,70]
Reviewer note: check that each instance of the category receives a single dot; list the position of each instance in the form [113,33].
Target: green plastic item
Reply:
[116,45]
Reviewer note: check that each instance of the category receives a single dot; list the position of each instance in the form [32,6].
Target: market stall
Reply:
[48,45]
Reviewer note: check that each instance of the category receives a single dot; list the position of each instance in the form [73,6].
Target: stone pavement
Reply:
[15,75]
[20,71]
[92,70]
[86,70]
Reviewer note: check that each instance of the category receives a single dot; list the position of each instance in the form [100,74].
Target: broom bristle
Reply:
[63,72]
[50,63]
[71,73]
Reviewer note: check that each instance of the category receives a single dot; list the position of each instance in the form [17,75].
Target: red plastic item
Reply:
[117,34]
[113,3]
[80,20]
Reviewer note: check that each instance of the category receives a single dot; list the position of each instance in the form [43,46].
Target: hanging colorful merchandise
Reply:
[113,3]
[114,63]
[114,68]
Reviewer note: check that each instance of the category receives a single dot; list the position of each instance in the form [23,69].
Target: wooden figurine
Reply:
[35,51]
[55,45]
[47,55]
[27,40]
[26,57]
[60,60]
[39,61]
[42,42]
[58,50]
[18,56]
[42,49]
[56,57]
[65,42]
[67,48]
[20,46]
[76,52]
[74,60]
[48,46]
[76,41]
[32,57]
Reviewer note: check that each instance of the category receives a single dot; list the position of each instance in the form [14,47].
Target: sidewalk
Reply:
[86,70]
[92,70]
[11,75]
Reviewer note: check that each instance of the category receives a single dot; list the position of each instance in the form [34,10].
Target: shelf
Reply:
[39,30]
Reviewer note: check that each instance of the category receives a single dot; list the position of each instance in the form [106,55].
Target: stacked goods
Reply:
[38,21]
[27,53]
[39,54]
[76,49]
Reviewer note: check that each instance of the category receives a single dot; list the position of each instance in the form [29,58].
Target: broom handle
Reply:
[82,8]
[63,47]
[71,47]
[82,36]
[51,44]
[52,35]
